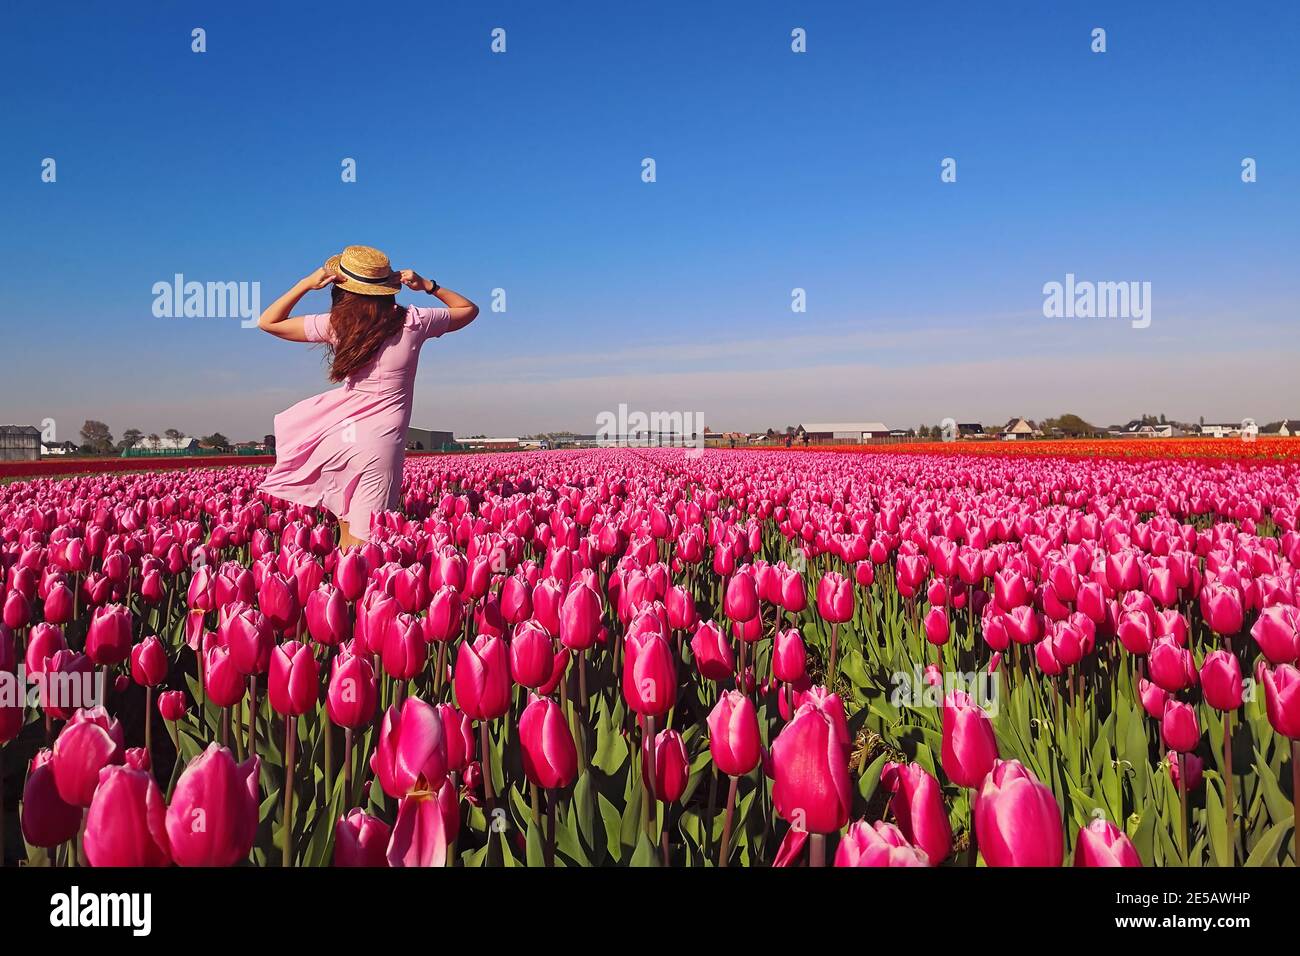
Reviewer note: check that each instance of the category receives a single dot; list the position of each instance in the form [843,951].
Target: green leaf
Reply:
[1217,826]
[1265,852]
[645,854]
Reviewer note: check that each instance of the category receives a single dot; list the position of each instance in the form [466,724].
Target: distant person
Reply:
[788,441]
[733,441]
[344,449]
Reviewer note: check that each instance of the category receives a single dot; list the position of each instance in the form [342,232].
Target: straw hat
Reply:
[366,271]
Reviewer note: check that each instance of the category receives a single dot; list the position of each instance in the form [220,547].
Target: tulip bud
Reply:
[149,662]
[294,680]
[1101,843]
[361,840]
[970,747]
[1282,699]
[1017,819]
[126,823]
[918,807]
[353,691]
[172,705]
[47,819]
[531,655]
[212,818]
[810,767]
[108,641]
[482,678]
[550,758]
[1221,680]
[733,734]
[881,844]
[1179,728]
[835,598]
[672,766]
[88,743]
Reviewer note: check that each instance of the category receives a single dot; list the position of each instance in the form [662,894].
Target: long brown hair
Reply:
[360,325]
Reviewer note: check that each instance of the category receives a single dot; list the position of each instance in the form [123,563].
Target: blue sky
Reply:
[775,170]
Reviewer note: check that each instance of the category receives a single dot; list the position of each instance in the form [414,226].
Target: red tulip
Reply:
[126,823]
[351,573]
[1171,666]
[222,681]
[741,598]
[278,600]
[1178,726]
[1221,607]
[404,650]
[1017,819]
[444,618]
[328,621]
[1277,631]
[149,662]
[108,641]
[1195,769]
[550,758]
[212,819]
[47,819]
[172,705]
[672,766]
[712,652]
[733,734]
[789,658]
[936,626]
[248,635]
[681,609]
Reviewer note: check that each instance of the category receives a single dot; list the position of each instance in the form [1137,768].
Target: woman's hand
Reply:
[320,279]
[413,280]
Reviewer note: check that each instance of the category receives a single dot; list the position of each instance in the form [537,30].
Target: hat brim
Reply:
[391,286]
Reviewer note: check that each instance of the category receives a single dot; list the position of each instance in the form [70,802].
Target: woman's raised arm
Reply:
[276,318]
[462,310]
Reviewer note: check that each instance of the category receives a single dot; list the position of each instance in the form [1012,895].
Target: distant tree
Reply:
[174,434]
[154,441]
[1202,421]
[216,440]
[268,442]
[131,437]
[97,437]
[1074,426]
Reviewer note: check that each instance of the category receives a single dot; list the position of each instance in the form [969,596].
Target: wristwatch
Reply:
[435,288]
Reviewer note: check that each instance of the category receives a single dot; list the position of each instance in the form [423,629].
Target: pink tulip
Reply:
[149,662]
[294,680]
[1101,843]
[1282,699]
[811,788]
[1017,819]
[411,753]
[712,652]
[918,808]
[733,734]
[881,844]
[89,742]
[419,836]
[353,691]
[212,818]
[649,674]
[835,598]
[970,747]
[1179,728]
[549,756]
[361,840]
[1221,680]
[482,678]
[672,766]
[126,823]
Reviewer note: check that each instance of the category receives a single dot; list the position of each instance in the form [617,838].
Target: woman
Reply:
[344,449]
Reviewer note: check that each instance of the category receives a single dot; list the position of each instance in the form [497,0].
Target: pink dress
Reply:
[343,449]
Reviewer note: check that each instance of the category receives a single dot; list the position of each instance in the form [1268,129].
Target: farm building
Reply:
[844,432]
[428,439]
[20,443]
[970,430]
[59,448]
[1018,429]
[1221,430]
[1283,429]
[489,444]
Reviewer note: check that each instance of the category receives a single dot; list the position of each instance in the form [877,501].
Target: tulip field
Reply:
[643,657]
